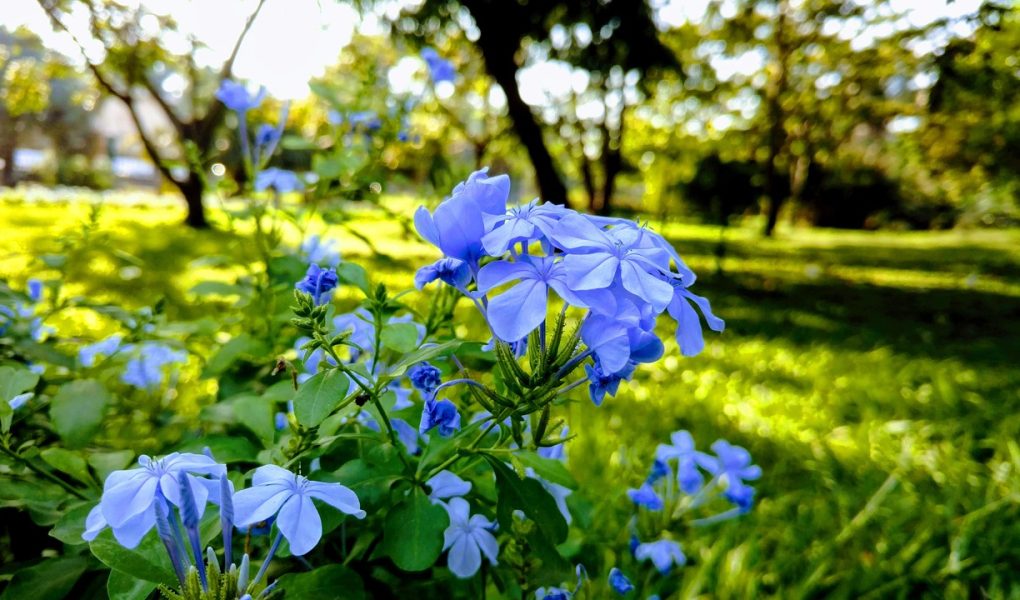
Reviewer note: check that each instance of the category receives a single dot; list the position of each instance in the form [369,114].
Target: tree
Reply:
[133,65]
[621,35]
[24,91]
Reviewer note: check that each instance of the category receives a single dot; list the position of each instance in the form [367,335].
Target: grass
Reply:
[873,376]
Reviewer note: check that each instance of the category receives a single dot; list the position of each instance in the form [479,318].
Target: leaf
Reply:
[230,352]
[121,586]
[319,396]
[256,413]
[15,381]
[551,470]
[216,288]
[72,524]
[77,410]
[107,462]
[354,274]
[413,532]
[421,354]
[225,448]
[68,461]
[370,481]
[51,579]
[529,496]
[325,582]
[148,561]
[401,337]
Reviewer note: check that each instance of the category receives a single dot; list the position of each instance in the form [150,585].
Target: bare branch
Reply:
[106,83]
[228,67]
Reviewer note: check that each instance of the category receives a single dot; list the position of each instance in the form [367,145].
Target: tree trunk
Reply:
[10,142]
[773,190]
[498,48]
[192,190]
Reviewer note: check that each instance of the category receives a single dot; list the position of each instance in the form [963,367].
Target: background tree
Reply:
[24,91]
[133,65]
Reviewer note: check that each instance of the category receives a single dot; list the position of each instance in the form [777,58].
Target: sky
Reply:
[293,41]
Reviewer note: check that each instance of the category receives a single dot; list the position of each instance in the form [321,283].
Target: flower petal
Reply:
[518,311]
[300,524]
[259,503]
[339,497]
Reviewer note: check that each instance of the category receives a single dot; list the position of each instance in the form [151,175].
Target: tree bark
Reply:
[7,148]
[773,189]
[498,47]
[192,189]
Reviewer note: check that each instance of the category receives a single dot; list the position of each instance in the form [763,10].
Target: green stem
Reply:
[42,472]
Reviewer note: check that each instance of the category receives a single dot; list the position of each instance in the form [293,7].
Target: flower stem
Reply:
[265,563]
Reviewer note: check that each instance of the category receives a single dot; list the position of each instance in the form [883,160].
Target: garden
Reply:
[372,343]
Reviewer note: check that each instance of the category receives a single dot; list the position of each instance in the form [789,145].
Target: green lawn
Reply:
[873,376]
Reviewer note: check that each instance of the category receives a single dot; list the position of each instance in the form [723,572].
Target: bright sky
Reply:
[294,40]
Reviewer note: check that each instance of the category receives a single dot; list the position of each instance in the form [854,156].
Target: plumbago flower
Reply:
[468,538]
[440,69]
[276,492]
[130,498]
[620,277]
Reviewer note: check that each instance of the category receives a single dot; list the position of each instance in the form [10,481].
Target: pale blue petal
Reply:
[465,558]
[259,503]
[646,286]
[518,311]
[299,522]
[131,531]
[591,271]
[337,496]
[499,272]
[426,226]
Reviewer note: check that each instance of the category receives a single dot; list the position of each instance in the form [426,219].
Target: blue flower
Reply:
[558,492]
[553,593]
[280,421]
[457,226]
[319,283]
[335,117]
[659,470]
[601,383]
[321,252]
[451,271]
[521,309]
[663,554]
[445,485]
[467,538]
[646,496]
[366,119]
[359,323]
[145,371]
[688,332]
[406,434]
[266,135]
[442,414]
[127,504]
[734,467]
[236,97]
[88,353]
[682,450]
[440,69]
[596,259]
[619,582]
[277,492]
[425,377]
[35,290]
[555,452]
[20,400]
[281,180]
[522,223]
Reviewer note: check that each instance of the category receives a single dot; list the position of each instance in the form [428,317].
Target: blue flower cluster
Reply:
[676,485]
[508,259]
[468,537]
[147,362]
[25,314]
[170,494]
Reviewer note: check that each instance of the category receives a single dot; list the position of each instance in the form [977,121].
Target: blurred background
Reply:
[844,175]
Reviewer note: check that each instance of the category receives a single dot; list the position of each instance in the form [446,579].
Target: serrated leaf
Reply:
[319,396]
[77,410]
[413,532]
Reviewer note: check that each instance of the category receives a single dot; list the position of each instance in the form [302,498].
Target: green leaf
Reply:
[226,449]
[121,586]
[15,381]
[230,352]
[423,353]
[216,288]
[77,410]
[325,582]
[51,579]
[551,470]
[529,496]
[107,462]
[72,524]
[148,561]
[401,337]
[370,481]
[68,461]
[413,532]
[354,274]
[319,396]
[256,413]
